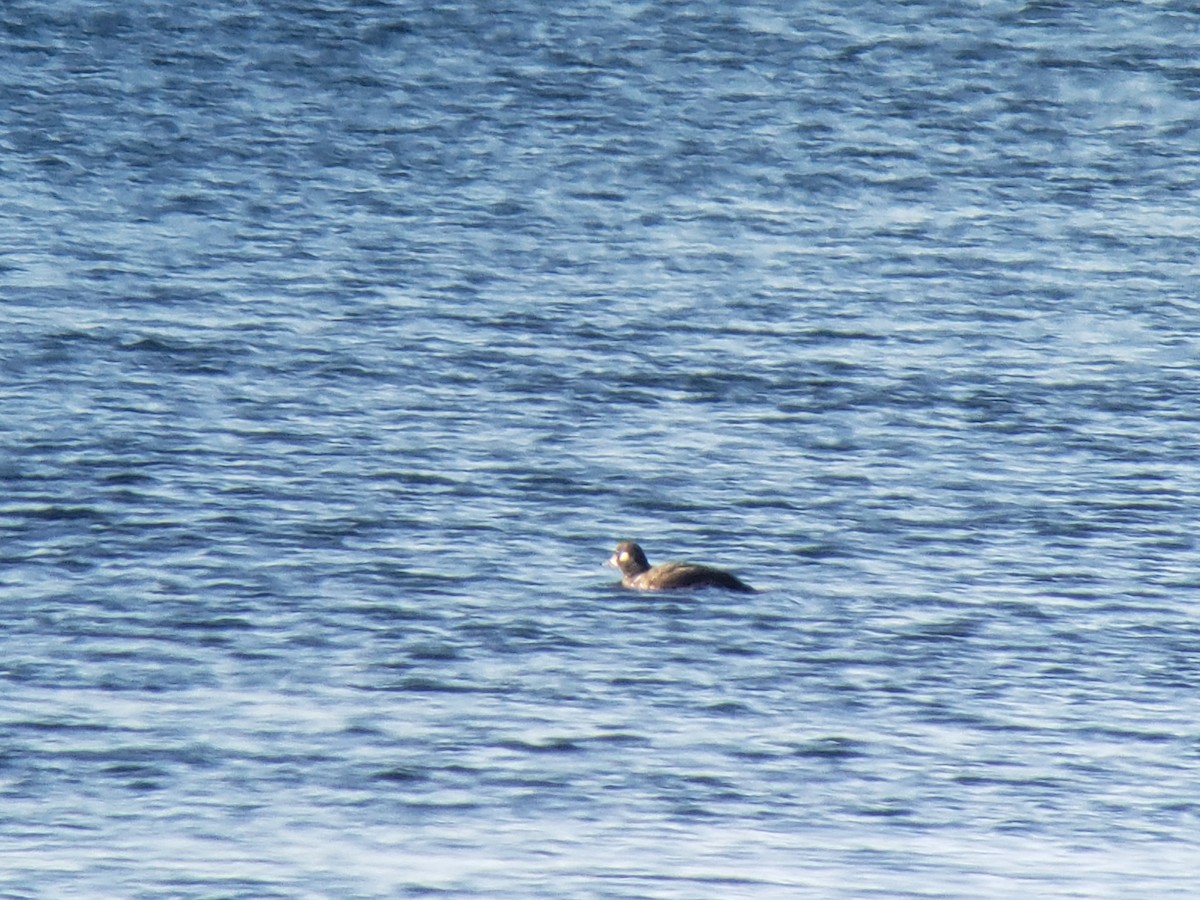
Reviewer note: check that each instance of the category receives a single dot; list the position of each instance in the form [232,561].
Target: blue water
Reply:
[343,340]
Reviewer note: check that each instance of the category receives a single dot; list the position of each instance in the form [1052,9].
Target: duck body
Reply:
[639,575]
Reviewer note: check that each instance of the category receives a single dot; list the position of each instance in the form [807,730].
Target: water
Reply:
[343,341]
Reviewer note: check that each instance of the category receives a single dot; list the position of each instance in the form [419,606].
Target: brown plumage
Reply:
[638,574]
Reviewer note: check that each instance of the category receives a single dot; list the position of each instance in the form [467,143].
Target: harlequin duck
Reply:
[638,574]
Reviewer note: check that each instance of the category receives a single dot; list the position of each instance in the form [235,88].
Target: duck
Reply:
[637,573]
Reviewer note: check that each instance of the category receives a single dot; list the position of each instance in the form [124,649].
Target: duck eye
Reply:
[623,555]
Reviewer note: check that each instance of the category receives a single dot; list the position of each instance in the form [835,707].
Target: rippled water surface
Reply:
[343,340]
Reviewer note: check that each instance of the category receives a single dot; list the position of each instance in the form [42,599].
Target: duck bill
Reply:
[611,562]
